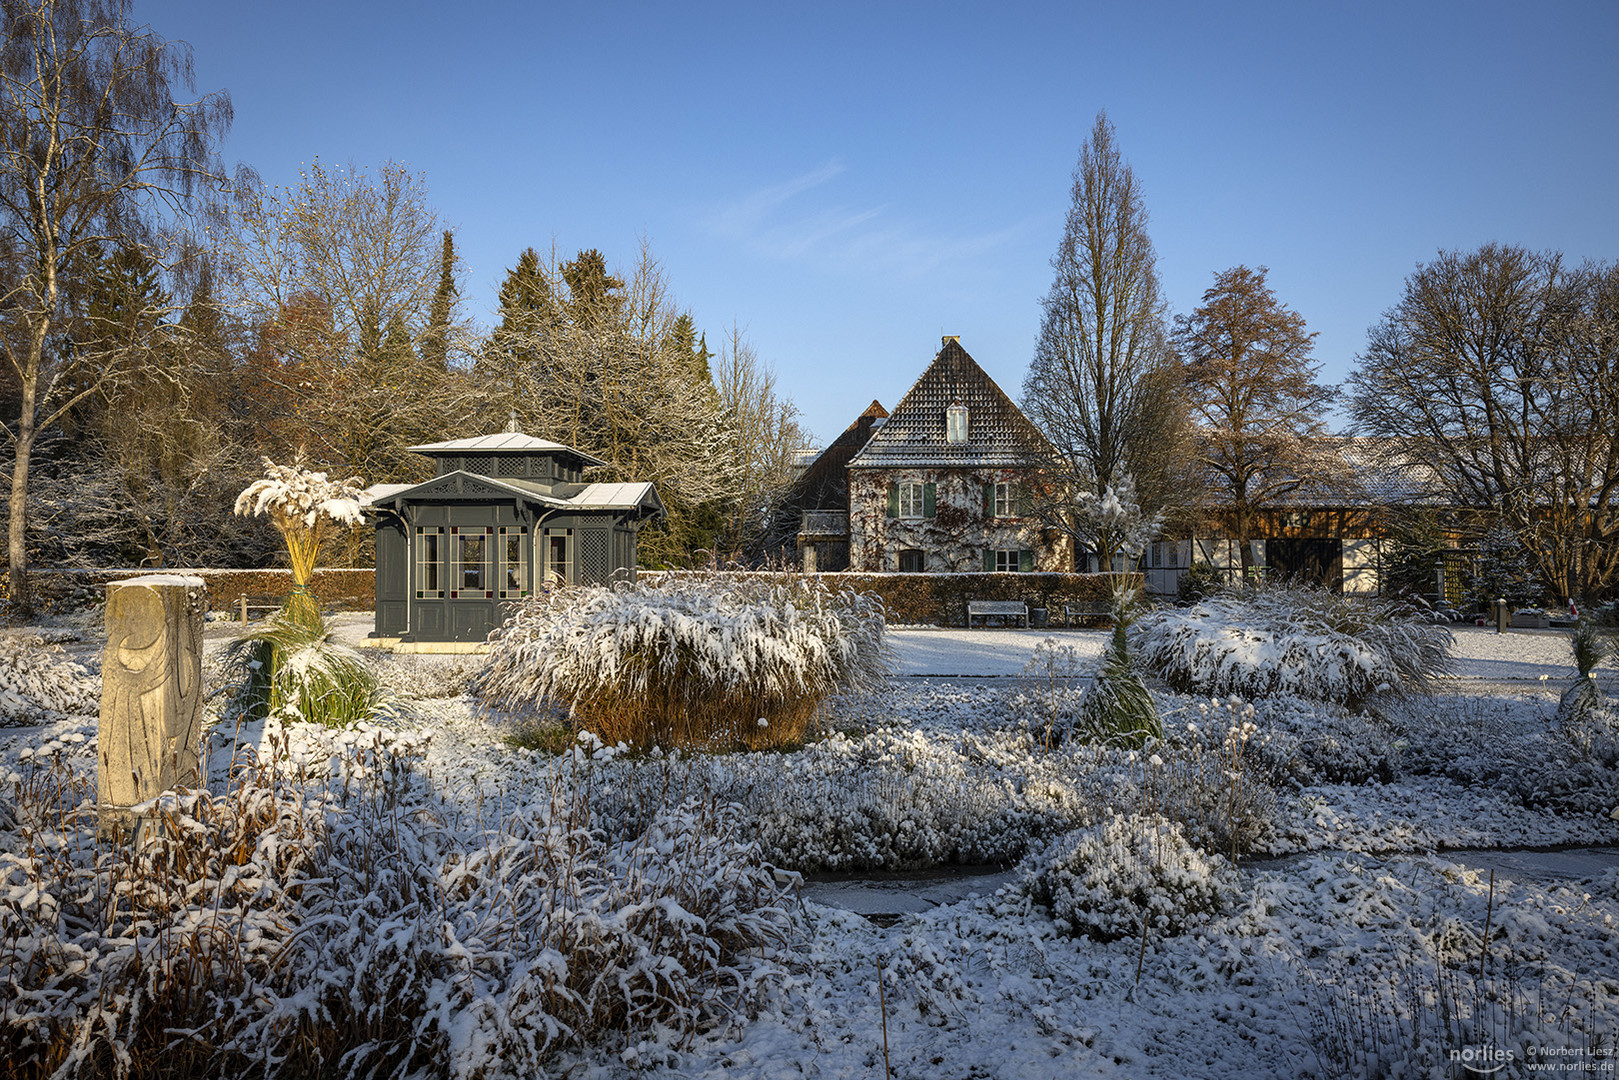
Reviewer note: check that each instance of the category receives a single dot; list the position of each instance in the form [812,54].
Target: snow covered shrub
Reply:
[1199,581]
[292,668]
[719,663]
[1050,695]
[1130,872]
[424,677]
[295,927]
[1294,640]
[1211,778]
[39,682]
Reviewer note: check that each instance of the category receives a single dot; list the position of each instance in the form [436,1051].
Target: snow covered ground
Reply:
[1366,918]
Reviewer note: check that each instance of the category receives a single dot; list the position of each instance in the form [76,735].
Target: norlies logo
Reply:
[1482,1060]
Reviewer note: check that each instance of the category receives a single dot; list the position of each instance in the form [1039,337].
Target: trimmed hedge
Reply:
[350,589]
[941,599]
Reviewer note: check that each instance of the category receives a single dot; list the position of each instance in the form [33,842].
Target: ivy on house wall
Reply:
[954,537]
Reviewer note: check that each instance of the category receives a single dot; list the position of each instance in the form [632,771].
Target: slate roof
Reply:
[998,434]
[824,484]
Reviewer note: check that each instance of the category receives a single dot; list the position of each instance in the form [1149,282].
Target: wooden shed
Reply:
[504,516]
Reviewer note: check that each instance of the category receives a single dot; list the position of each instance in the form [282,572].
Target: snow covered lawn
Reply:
[1366,919]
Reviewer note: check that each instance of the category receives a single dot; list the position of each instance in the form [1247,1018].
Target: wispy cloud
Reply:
[794,221]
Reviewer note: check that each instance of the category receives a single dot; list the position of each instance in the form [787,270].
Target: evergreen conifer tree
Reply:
[435,347]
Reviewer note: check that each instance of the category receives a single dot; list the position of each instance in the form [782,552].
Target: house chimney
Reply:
[512,426]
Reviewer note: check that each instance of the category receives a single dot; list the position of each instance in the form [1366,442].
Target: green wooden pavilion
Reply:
[504,516]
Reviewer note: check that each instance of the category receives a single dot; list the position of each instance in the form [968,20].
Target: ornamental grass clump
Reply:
[1299,640]
[307,508]
[714,663]
[293,669]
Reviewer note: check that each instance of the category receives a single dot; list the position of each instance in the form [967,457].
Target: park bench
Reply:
[245,604]
[1087,613]
[1006,609]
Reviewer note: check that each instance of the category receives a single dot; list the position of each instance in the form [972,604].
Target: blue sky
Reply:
[849,182]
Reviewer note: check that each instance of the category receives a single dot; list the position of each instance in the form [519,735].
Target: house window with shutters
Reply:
[911,500]
[1006,500]
[1009,562]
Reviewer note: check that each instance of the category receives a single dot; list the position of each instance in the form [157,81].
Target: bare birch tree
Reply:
[96,155]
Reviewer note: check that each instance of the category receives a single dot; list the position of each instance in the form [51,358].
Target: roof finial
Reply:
[512,426]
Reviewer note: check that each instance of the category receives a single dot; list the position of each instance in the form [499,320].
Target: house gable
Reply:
[916,433]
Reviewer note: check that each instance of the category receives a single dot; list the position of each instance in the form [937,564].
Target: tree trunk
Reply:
[22,597]
[1245,547]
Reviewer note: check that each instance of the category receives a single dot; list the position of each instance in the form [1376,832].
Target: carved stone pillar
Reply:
[151,694]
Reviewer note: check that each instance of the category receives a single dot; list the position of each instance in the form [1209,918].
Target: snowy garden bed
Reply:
[1368,923]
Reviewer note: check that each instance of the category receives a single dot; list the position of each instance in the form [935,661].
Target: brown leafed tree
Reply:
[1497,372]
[1103,384]
[97,153]
[1250,382]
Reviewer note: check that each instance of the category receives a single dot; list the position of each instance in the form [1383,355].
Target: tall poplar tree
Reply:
[1103,382]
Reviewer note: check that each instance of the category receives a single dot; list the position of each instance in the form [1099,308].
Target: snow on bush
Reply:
[1130,872]
[1410,981]
[1213,778]
[717,662]
[347,928]
[39,682]
[1293,640]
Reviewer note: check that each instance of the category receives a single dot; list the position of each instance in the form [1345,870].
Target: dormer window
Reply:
[955,423]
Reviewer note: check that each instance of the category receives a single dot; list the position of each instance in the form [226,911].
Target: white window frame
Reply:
[1003,558]
[1005,500]
[912,499]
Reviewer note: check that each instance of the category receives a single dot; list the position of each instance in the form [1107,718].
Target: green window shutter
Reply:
[893,500]
[929,497]
[989,560]
[1025,501]
[989,499]
[1025,561]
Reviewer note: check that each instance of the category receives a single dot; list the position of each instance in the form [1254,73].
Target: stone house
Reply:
[944,483]
[818,500]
